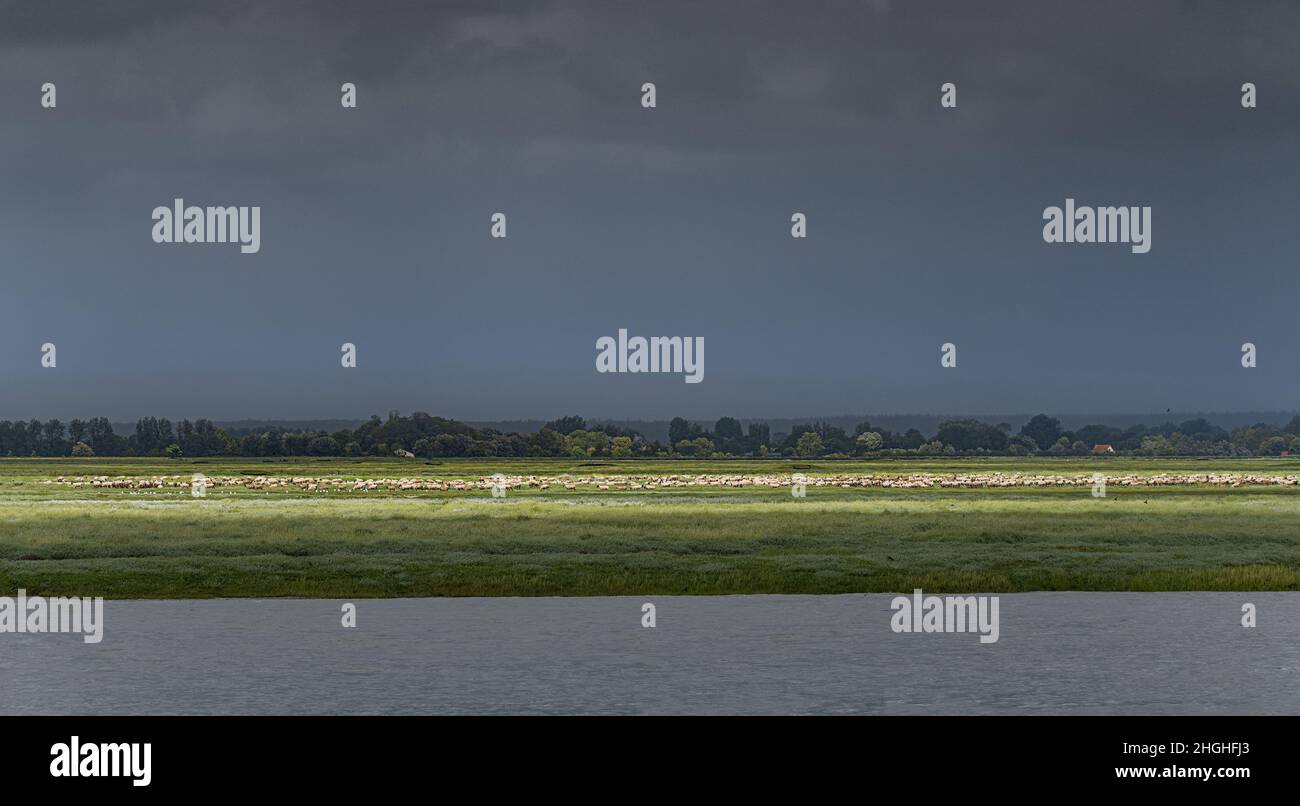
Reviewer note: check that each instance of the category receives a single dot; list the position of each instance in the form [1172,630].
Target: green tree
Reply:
[700,446]
[870,441]
[729,434]
[1043,430]
[972,435]
[1273,446]
[546,442]
[809,444]
[567,425]
[587,443]
[681,428]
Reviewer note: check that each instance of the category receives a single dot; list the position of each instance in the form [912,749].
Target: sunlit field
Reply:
[348,528]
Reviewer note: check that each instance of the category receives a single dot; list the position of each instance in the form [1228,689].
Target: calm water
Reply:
[1102,653]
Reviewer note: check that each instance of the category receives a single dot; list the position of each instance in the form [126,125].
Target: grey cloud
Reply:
[924,224]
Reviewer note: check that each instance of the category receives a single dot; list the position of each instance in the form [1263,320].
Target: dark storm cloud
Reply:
[924,222]
[843,64]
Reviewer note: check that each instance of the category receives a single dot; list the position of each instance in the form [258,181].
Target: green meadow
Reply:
[56,539]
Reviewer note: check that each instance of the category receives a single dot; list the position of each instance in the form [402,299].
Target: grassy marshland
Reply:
[56,538]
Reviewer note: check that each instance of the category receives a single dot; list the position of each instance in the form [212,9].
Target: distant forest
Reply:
[423,435]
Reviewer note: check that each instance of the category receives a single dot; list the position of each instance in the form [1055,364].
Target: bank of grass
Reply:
[165,544]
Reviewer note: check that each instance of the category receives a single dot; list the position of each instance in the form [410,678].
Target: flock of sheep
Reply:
[673,481]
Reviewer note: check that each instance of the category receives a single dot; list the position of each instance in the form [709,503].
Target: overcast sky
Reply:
[924,223]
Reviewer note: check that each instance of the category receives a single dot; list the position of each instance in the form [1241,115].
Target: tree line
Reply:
[426,436]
